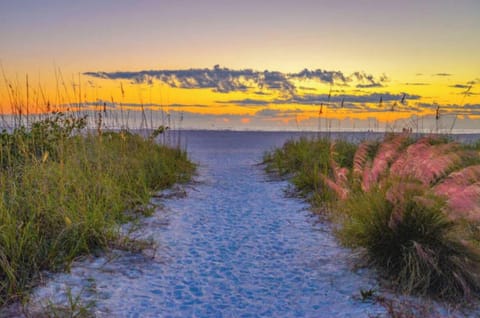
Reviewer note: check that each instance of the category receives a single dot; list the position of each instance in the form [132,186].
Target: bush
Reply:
[305,160]
[45,137]
[412,243]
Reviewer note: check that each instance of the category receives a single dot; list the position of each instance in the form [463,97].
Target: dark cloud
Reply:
[97,103]
[369,98]
[452,108]
[185,105]
[372,85]
[275,81]
[262,93]
[113,105]
[462,86]
[363,79]
[472,106]
[345,101]
[324,76]
[225,80]
[269,112]
[307,88]
[245,102]
[384,78]
[442,74]
[427,105]
[368,80]
[417,84]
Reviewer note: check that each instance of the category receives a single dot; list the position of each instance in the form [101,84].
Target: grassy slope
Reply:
[64,194]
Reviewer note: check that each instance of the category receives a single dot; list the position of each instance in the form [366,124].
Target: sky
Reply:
[270,65]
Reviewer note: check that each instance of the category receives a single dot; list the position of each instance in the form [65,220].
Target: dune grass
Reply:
[303,161]
[65,191]
[422,253]
[411,204]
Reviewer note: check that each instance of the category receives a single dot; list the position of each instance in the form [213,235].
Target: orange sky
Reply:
[415,57]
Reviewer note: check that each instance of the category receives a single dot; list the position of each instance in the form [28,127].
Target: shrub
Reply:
[413,243]
[306,160]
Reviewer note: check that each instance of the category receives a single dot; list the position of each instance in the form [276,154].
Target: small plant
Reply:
[396,308]
[367,294]
[73,309]
[157,132]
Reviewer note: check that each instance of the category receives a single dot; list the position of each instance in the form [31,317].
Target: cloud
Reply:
[276,81]
[185,105]
[262,93]
[324,76]
[372,85]
[245,102]
[462,86]
[369,98]
[269,112]
[428,105]
[345,101]
[307,88]
[110,104]
[367,80]
[417,84]
[467,109]
[442,74]
[222,80]
[362,79]
[225,80]
[472,106]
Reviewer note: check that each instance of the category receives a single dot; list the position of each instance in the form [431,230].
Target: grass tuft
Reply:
[415,245]
[305,160]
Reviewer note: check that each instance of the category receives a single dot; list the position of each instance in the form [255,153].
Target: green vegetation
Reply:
[305,160]
[65,191]
[422,252]
[412,205]
[74,308]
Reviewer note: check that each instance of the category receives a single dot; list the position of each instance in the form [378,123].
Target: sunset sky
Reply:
[352,64]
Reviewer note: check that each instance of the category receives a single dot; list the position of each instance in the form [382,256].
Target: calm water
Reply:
[235,246]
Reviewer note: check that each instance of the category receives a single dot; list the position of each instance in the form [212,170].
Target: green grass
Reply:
[64,194]
[416,246]
[304,159]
